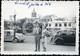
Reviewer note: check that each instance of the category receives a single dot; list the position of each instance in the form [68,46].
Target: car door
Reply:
[72,37]
[64,36]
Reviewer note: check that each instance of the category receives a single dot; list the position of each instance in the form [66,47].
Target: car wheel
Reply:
[17,41]
[59,42]
[22,40]
[14,41]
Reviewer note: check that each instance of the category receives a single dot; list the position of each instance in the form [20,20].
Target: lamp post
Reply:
[14,25]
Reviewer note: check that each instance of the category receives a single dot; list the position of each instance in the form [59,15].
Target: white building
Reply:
[55,23]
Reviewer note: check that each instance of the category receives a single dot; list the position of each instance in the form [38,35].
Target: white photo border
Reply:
[26,52]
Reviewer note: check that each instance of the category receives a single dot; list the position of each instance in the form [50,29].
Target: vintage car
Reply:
[20,37]
[64,37]
[9,35]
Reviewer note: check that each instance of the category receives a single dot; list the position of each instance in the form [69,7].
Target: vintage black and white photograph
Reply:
[40,27]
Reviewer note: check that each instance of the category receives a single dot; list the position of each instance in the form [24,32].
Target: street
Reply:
[9,46]
[29,45]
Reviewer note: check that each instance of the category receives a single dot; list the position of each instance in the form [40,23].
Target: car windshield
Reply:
[71,32]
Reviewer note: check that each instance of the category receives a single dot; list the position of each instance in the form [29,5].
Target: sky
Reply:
[60,9]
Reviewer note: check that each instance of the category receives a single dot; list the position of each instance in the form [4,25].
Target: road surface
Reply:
[9,46]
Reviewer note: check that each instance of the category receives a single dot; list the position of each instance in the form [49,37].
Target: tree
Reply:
[74,20]
[21,23]
[5,24]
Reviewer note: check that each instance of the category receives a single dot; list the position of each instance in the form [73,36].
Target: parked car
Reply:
[9,35]
[65,36]
[20,37]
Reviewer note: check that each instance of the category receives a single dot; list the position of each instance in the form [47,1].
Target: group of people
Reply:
[40,33]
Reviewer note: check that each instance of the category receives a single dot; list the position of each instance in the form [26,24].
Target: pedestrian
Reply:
[37,36]
[44,37]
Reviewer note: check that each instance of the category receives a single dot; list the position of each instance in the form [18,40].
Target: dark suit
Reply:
[37,37]
[37,42]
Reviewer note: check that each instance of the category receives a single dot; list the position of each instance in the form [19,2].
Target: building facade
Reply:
[52,22]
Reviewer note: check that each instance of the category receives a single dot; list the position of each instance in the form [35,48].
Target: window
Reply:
[48,19]
[46,24]
[5,32]
[69,24]
[60,24]
[56,24]
[47,28]
[50,25]
[45,19]
[51,19]
[8,33]
[65,24]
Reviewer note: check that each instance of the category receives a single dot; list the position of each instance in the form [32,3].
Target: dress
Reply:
[44,38]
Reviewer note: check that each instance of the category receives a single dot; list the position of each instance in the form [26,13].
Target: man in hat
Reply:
[37,36]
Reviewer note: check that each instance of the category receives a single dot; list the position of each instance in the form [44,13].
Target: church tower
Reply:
[34,14]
